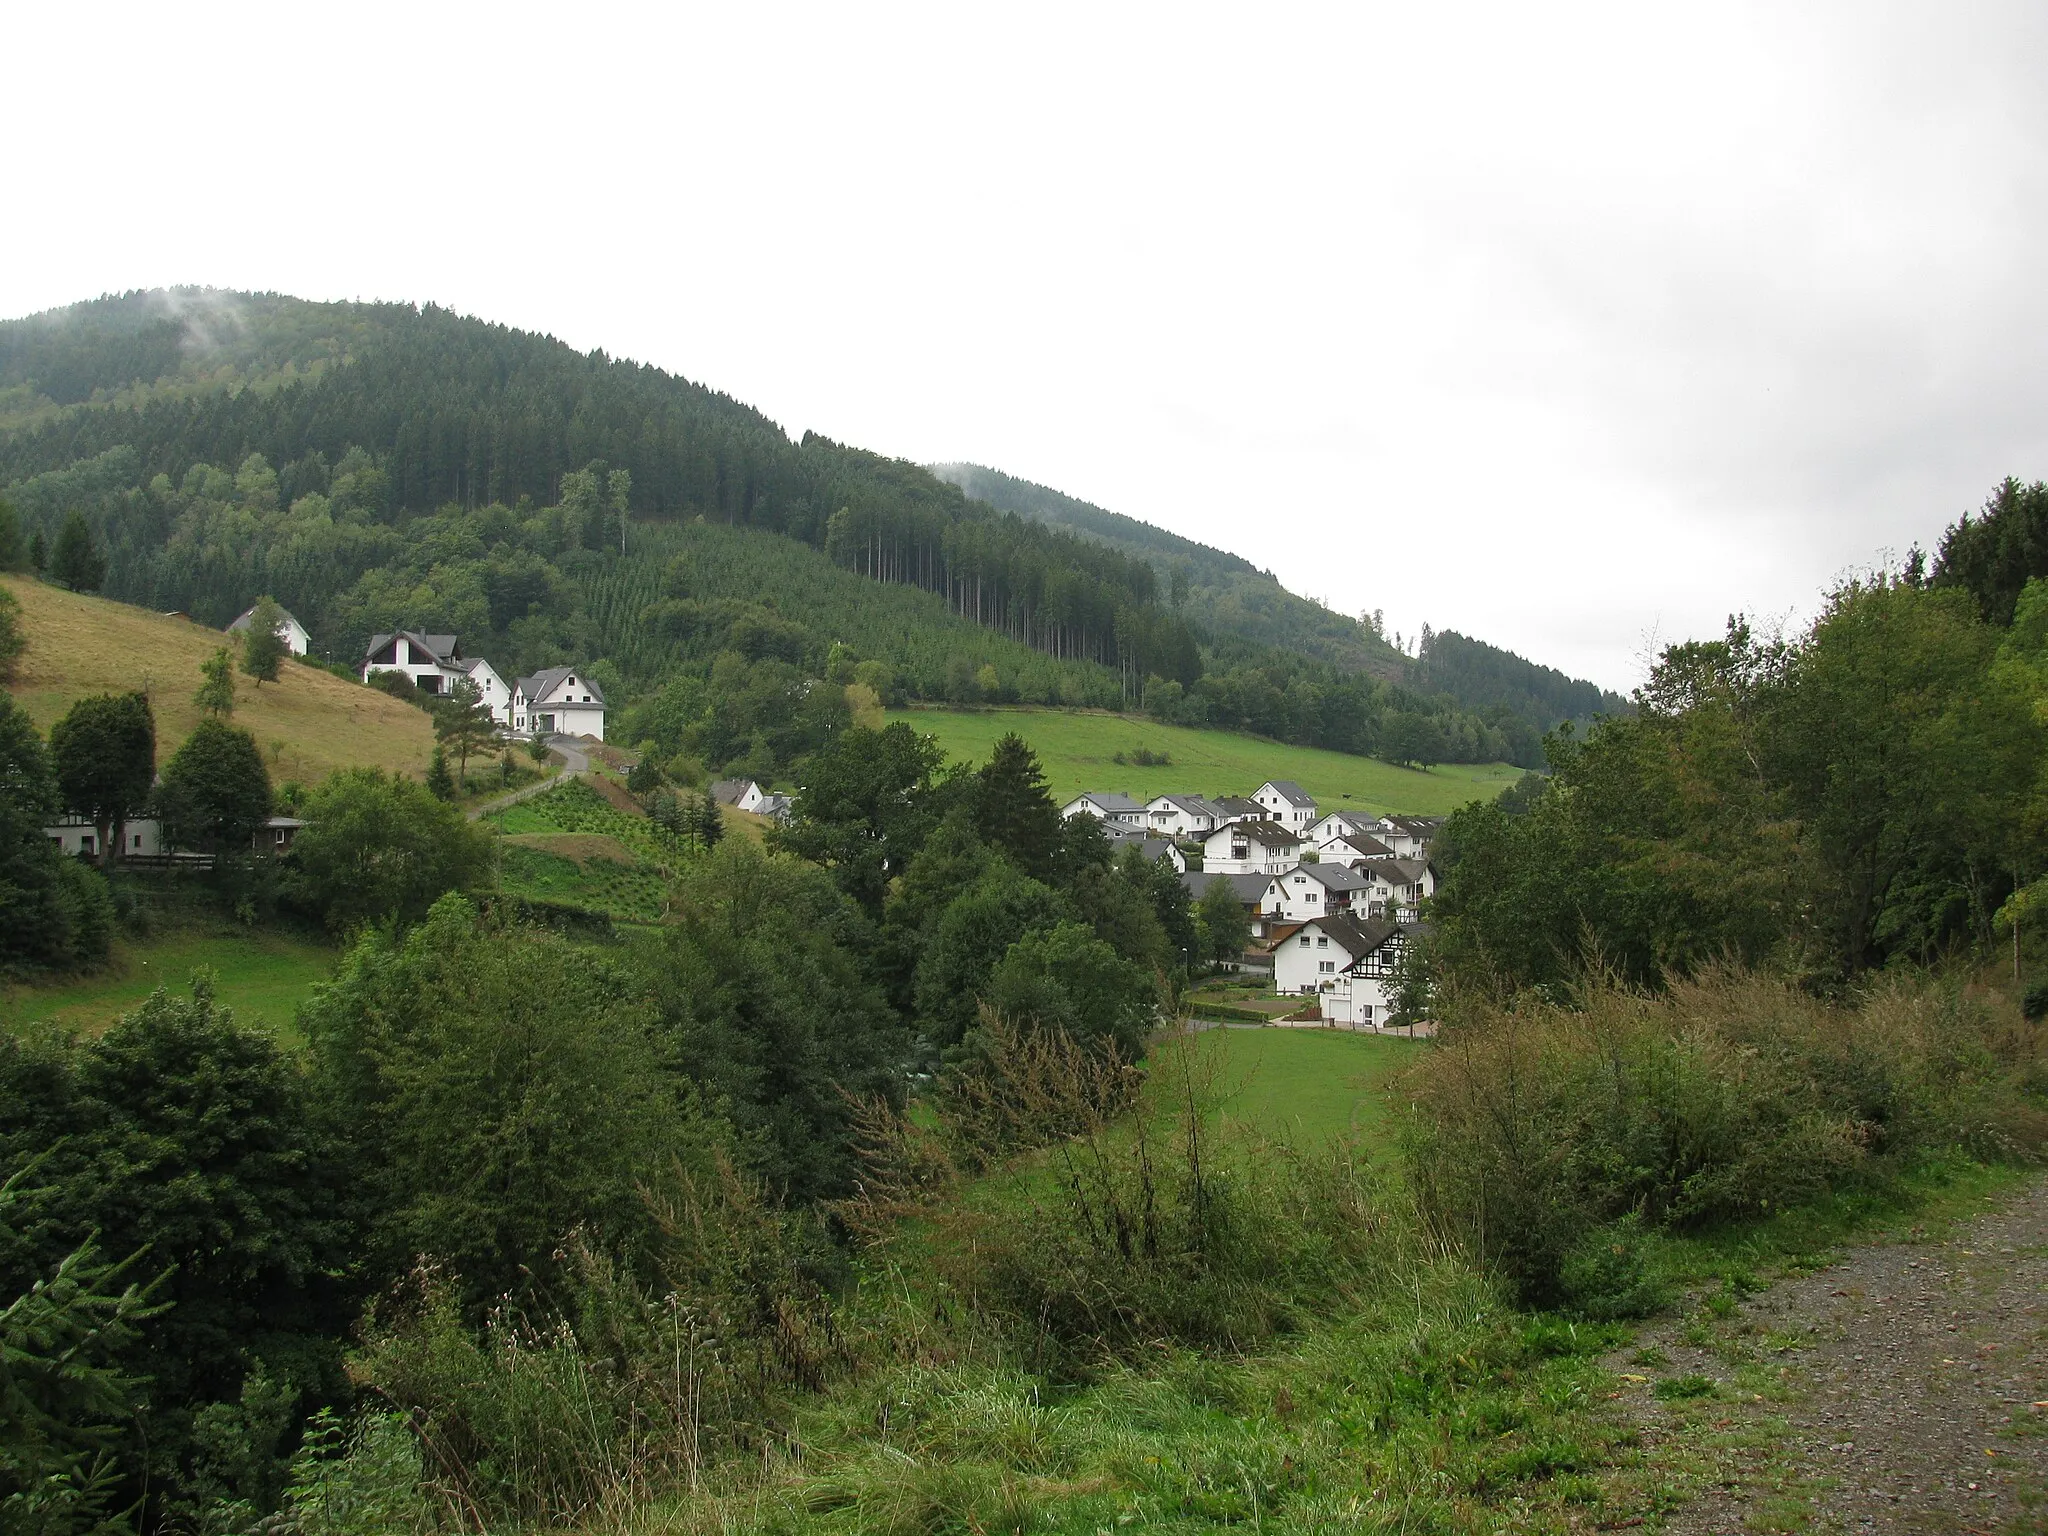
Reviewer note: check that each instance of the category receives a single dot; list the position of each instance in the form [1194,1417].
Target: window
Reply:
[1304,941]
[1322,942]
[1326,966]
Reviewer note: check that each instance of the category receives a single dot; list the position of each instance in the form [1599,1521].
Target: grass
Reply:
[1076,748]
[308,722]
[262,976]
[1307,1083]
[574,846]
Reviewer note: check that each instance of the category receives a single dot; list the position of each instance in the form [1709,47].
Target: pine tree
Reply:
[263,644]
[38,552]
[465,725]
[1014,811]
[77,563]
[438,777]
[710,824]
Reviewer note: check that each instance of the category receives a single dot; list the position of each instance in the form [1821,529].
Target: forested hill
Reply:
[376,465]
[1236,598]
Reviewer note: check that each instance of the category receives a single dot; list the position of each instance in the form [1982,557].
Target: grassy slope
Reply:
[262,976]
[1307,1083]
[1076,748]
[79,645]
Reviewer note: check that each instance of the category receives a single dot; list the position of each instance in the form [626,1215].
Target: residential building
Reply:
[1394,885]
[1341,824]
[1286,802]
[435,664]
[289,630]
[1311,890]
[559,701]
[1158,848]
[1235,808]
[1184,816]
[1252,847]
[1106,805]
[141,837]
[1408,836]
[1249,890]
[1352,965]
[1350,850]
[742,794]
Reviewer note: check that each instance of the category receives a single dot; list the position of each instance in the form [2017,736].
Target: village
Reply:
[1332,898]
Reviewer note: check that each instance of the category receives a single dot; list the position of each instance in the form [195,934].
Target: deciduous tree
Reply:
[263,644]
[104,750]
[216,792]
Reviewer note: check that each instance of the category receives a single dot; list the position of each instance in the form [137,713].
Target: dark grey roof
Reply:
[1337,877]
[1291,791]
[538,686]
[250,612]
[724,791]
[1235,806]
[441,647]
[1360,844]
[1394,871]
[1249,889]
[1194,805]
[1259,830]
[1359,937]
[1155,848]
[1117,831]
[1112,800]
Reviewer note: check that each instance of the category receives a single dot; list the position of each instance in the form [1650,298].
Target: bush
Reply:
[1535,1125]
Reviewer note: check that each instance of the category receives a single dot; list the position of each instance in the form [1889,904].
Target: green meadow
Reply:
[263,976]
[1078,750]
[1305,1084]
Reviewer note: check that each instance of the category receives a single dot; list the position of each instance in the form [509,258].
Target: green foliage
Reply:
[216,694]
[1993,556]
[1013,813]
[1220,919]
[866,805]
[263,645]
[53,911]
[379,847]
[969,940]
[77,562]
[13,546]
[440,782]
[13,643]
[104,753]
[1535,1126]
[215,794]
[464,725]
[504,1089]
[362,1480]
[1065,979]
[181,1136]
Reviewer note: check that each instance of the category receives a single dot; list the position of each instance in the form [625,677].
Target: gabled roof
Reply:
[1118,831]
[1394,871]
[1237,806]
[1194,805]
[1358,937]
[250,612]
[1289,791]
[1111,801]
[1336,877]
[1359,843]
[1155,848]
[441,647]
[1247,888]
[724,791]
[1259,830]
[472,663]
[536,688]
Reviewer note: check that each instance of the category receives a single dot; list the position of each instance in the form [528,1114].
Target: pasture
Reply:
[263,976]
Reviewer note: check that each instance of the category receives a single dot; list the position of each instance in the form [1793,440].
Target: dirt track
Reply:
[1903,1388]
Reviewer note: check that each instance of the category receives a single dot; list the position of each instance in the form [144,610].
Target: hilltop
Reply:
[309,722]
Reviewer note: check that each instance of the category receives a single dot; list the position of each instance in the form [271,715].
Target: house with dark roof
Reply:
[435,664]
[294,634]
[1394,885]
[1311,890]
[1106,805]
[1286,802]
[1254,846]
[1188,816]
[1235,808]
[1353,849]
[1352,967]
[558,701]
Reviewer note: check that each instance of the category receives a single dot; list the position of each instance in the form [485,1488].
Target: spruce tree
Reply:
[38,552]
[710,824]
[77,562]
[439,779]
[1014,811]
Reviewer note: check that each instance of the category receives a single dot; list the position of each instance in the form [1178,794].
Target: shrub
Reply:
[1728,1097]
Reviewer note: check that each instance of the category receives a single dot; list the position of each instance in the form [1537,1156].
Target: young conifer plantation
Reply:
[866,1175]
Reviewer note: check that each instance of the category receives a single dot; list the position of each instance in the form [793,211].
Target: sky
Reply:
[1574,328]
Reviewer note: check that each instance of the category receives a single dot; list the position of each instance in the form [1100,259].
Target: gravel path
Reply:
[1902,1388]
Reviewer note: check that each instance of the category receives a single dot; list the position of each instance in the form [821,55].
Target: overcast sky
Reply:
[1570,327]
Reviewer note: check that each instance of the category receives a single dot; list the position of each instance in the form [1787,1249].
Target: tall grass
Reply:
[1535,1127]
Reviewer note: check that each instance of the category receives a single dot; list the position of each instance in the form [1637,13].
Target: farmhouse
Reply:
[435,664]
[290,631]
[1255,847]
[1311,890]
[1106,805]
[1353,966]
[1188,816]
[1286,802]
[558,701]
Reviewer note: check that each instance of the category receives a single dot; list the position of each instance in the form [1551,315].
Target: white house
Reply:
[1341,824]
[435,664]
[1158,848]
[1106,805]
[558,701]
[1188,816]
[1311,890]
[1353,849]
[141,835]
[1252,847]
[1394,885]
[1408,836]
[289,630]
[1353,966]
[1288,803]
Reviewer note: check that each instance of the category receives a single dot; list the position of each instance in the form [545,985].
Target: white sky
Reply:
[1565,326]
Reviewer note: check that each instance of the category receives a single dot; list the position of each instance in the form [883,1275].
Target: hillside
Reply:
[1078,749]
[309,722]
[1238,600]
